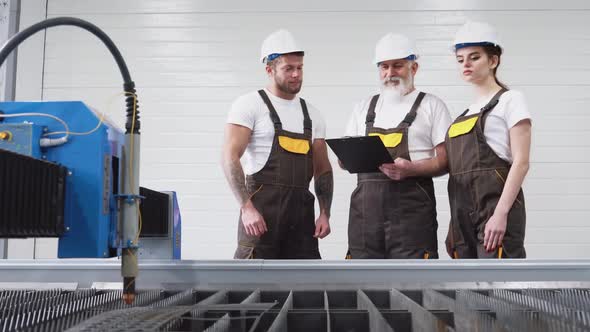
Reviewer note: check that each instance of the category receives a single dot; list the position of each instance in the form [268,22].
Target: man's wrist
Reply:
[247,205]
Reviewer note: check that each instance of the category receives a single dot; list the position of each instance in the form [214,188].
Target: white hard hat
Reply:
[278,43]
[395,46]
[475,34]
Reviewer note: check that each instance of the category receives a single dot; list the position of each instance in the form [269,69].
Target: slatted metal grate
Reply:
[32,196]
[298,310]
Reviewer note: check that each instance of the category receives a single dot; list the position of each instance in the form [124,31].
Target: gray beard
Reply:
[394,93]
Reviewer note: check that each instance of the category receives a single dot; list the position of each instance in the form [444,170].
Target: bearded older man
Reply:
[393,212]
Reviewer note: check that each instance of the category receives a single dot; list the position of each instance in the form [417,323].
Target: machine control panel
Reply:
[22,138]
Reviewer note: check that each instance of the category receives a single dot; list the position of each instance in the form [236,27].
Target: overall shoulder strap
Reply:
[370,119]
[411,116]
[306,119]
[273,112]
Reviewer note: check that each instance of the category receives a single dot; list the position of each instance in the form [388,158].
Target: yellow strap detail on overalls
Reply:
[295,145]
[500,252]
[463,127]
[455,254]
[389,140]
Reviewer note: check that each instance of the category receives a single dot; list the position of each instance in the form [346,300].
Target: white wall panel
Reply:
[29,86]
[190,59]
[237,6]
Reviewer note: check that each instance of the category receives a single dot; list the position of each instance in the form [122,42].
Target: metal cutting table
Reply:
[260,295]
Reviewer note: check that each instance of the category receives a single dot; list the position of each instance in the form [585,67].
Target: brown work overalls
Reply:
[280,192]
[476,181]
[388,218]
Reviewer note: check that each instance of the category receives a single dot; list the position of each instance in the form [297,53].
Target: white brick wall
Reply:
[190,59]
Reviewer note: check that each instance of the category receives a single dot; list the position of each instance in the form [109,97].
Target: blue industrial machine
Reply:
[81,184]
[90,151]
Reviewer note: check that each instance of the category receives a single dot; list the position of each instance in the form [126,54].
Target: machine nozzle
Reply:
[129,290]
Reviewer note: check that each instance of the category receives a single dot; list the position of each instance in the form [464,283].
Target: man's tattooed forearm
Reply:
[324,190]
[237,180]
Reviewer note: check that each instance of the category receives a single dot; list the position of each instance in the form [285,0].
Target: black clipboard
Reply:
[360,154]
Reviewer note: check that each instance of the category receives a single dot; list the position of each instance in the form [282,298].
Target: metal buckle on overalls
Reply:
[490,105]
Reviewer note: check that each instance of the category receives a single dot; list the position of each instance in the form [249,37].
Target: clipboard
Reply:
[360,154]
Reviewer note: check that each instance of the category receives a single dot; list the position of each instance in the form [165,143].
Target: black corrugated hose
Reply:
[128,84]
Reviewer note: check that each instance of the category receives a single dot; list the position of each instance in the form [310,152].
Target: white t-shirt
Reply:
[250,111]
[511,109]
[426,132]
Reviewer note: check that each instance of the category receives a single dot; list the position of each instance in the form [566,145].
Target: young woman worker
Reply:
[488,150]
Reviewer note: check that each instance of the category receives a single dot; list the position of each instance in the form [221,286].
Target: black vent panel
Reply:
[32,195]
[154,213]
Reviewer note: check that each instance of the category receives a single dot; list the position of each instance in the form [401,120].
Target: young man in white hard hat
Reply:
[274,145]
[393,212]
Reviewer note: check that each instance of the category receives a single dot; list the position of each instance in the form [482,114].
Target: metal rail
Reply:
[301,274]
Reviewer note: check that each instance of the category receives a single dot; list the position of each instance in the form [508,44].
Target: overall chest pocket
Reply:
[462,127]
[389,140]
[294,145]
